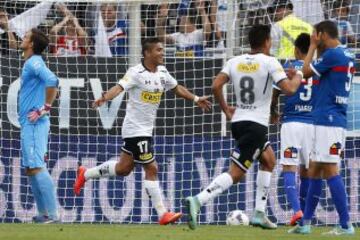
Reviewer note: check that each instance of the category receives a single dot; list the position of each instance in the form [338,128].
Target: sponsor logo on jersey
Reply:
[248,68]
[151,97]
[146,156]
[290,152]
[335,149]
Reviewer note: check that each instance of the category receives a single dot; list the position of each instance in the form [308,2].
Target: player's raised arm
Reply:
[202,101]
[220,80]
[111,94]
[290,85]
[314,42]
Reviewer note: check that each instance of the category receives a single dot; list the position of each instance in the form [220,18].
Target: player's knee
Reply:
[267,165]
[236,173]
[123,170]
[151,170]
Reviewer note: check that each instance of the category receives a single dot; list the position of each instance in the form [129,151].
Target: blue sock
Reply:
[304,187]
[40,205]
[339,196]
[47,189]
[312,199]
[291,190]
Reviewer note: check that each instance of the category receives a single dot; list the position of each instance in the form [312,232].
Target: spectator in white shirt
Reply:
[189,41]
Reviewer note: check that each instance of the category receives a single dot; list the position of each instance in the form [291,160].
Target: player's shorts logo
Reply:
[290,152]
[335,149]
[151,97]
[146,156]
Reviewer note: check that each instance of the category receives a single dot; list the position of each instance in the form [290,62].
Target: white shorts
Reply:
[329,144]
[297,140]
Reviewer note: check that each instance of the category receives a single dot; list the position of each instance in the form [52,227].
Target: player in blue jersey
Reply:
[335,68]
[37,92]
[297,131]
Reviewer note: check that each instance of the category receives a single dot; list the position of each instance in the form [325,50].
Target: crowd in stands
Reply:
[189,27]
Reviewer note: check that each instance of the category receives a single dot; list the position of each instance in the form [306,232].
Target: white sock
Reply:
[153,190]
[106,169]
[216,187]
[262,189]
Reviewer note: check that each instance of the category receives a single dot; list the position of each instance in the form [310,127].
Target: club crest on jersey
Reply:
[125,78]
[335,149]
[151,97]
[290,152]
[248,68]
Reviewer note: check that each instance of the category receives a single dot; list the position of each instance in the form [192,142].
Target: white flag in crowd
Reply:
[102,48]
[31,18]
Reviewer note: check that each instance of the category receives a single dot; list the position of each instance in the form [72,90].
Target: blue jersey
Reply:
[35,78]
[299,107]
[335,68]
[117,37]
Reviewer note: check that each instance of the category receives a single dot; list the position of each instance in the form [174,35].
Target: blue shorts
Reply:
[34,143]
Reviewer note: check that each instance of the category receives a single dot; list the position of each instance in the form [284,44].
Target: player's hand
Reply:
[315,38]
[291,72]
[98,102]
[229,112]
[204,103]
[34,115]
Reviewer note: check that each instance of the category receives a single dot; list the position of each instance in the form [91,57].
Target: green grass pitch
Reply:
[150,232]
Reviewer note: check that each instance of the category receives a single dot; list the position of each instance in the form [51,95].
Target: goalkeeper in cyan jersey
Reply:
[145,84]
[37,92]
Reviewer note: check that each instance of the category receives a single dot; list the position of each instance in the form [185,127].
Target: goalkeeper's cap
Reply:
[281,3]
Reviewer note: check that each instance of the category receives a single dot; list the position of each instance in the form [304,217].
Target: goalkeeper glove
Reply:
[34,115]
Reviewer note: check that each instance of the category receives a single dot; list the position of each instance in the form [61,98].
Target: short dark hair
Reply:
[341,3]
[302,42]
[258,34]
[276,4]
[147,42]
[40,41]
[328,27]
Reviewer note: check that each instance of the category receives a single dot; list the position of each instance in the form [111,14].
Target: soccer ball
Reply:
[237,217]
